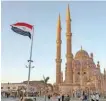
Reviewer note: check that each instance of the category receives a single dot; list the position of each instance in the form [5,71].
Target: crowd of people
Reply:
[91,97]
[59,97]
[84,97]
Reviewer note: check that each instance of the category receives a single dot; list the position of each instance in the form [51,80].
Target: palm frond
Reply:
[43,77]
[47,79]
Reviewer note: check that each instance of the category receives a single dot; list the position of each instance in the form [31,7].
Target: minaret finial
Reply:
[68,8]
[59,21]
[81,47]
[59,17]
[58,27]
[98,64]
[68,13]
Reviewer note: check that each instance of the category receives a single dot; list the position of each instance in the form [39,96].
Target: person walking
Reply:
[82,97]
[92,97]
[97,97]
[62,97]
[67,98]
[49,97]
[85,97]
[53,98]
[59,97]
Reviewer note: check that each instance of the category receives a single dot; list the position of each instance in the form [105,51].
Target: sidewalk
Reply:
[42,99]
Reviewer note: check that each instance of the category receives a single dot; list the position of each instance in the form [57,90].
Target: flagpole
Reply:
[30,61]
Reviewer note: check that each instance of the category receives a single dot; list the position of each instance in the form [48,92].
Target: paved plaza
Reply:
[41,99]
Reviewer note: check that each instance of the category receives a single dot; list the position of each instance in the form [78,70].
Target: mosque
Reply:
[81,72]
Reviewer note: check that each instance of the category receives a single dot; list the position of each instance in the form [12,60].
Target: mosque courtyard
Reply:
[42,99]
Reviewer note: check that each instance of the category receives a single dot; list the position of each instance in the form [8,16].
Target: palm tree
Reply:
[45,81]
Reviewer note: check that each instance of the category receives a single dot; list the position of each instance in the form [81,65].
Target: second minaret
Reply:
[69,56]
[58,52]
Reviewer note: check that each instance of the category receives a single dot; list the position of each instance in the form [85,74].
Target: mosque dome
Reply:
[81,54]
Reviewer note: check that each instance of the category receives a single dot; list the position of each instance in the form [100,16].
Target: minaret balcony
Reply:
[59,60]
[68,34]
[69,56]
[58,41]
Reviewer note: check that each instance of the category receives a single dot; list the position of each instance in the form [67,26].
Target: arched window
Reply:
[85,76]
[78,73]
[78,77]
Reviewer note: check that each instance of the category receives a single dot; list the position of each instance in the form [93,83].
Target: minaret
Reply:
[69,56]
[58,52]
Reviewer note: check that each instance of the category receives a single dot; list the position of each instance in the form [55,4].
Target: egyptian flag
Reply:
[22,28]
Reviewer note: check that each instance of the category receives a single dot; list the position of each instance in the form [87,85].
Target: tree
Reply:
[45,81]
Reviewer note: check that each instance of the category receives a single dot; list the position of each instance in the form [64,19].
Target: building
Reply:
[37,87]
[41,87]
[81,72]
[14,87]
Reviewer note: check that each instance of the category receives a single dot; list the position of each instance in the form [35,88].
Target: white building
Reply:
[7,87]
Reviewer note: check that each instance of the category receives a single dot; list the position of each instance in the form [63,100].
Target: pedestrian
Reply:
[92,97]
[62,97]
[68,98]
[85,98]
[97,97]
[82,97]
[49,97]
[35,98]
[59,97]
[53,98]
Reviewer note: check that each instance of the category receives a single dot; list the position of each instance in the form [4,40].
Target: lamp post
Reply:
[29,67]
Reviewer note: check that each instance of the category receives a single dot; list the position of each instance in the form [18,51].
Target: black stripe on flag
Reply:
[20,31]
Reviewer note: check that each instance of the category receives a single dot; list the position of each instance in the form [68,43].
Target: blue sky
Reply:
[88,29]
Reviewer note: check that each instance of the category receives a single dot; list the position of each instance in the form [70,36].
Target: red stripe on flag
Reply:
[23,24]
